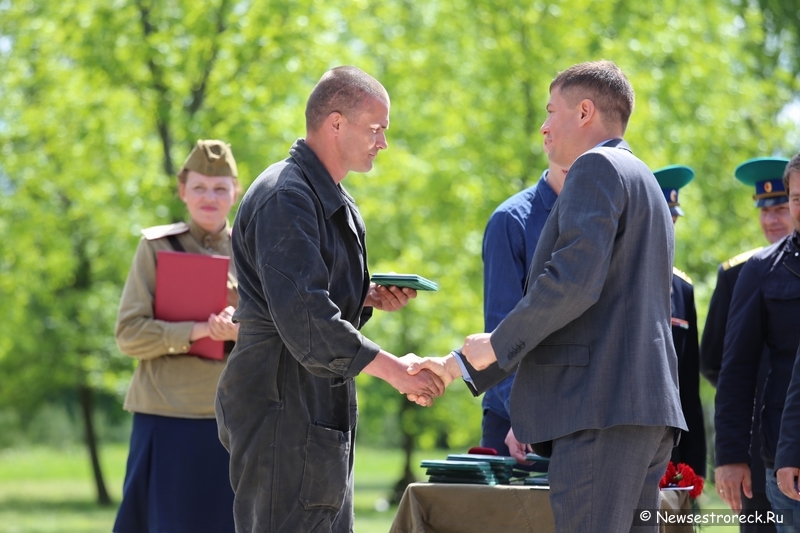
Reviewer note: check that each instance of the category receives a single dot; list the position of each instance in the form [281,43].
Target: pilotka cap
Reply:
[211,158]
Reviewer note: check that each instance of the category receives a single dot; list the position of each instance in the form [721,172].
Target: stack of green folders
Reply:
[538,478]
[479,472]
[502,466]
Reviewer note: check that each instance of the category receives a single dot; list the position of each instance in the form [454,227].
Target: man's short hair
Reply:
[343,90]
[603,83]
[792,166]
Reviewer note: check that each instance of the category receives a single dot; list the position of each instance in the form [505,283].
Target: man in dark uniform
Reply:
[763,319]
[692,447]
[765,174]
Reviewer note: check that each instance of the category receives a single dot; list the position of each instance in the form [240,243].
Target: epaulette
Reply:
[681,274]
[739,259]
[159,232]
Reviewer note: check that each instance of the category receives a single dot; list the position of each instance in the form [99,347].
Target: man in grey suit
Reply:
[597,383]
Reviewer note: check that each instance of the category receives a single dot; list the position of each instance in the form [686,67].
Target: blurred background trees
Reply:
[100,103]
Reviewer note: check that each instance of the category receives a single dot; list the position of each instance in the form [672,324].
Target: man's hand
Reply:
[516,448]
[446,368]
[478,350]
[388,298]
[421,388]
[730,479]
[787,481]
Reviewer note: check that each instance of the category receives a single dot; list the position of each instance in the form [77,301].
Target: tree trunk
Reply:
[86,396]
[408,449]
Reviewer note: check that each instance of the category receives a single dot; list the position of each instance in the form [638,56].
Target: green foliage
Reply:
[10,429]
[56,424]
[100,102]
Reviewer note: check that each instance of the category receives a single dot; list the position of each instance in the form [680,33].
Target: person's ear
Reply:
[587,110]
[182,191]
[334,121]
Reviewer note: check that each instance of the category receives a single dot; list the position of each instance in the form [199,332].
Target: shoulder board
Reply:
[681,274]
[741,258]
[159,232]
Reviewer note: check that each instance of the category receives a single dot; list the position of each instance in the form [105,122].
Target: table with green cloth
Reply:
[462,508]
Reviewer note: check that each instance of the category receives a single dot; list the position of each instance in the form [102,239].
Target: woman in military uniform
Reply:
[177,472]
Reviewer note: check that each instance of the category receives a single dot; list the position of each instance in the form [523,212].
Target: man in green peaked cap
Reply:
[692,447]
[765,175]
[671,179]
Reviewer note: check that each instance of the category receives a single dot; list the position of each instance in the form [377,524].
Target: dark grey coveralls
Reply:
[286,402]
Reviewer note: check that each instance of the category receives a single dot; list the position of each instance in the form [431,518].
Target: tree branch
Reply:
[160,88]
[199,88]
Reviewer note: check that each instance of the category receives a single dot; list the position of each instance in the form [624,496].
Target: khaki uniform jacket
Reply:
[166,382]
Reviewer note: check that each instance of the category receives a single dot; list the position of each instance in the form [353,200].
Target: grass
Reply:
[46,490]
[43,490]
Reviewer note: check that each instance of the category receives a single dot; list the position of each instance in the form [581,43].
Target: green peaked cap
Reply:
[671,179]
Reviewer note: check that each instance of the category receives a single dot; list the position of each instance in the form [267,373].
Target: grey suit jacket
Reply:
[592,335]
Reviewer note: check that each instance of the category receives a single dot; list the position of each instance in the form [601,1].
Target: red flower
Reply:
[682,476]
[669,475]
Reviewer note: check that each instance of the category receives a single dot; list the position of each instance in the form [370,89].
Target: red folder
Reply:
[191,287]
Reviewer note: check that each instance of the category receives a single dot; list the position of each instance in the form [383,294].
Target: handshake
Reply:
[421,380]
[426,378]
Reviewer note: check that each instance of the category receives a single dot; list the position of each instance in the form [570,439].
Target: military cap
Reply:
[766,174]
[671,179]
[211,158]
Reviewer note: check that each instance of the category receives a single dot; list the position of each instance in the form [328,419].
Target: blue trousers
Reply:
[787,507]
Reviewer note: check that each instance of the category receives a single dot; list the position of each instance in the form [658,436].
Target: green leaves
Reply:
[99,104]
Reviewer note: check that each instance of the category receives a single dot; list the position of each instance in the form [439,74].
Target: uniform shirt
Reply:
[764,311]
[508,243]
[165,381]
[692,447]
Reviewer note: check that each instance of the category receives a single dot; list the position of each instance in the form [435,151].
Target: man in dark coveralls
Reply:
[765,174]
[692,447]
[763,319]
[286,402]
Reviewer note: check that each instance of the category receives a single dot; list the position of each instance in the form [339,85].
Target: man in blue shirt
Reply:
[508,243]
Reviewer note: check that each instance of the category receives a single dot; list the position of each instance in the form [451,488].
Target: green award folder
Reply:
[411,281]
